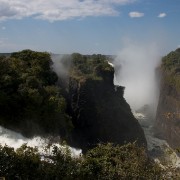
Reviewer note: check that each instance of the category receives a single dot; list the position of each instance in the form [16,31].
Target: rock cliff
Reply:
[83,107]
[98,109]
[167,123]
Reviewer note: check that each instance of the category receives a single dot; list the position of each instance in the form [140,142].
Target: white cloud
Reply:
[54,10]
[136,14]
[162,15]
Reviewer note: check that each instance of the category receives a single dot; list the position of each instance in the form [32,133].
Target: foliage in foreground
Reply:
[106,162]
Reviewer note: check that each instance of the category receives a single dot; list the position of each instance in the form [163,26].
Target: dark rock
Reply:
[100,113]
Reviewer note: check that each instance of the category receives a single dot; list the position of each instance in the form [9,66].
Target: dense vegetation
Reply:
[89,67]
[171,65]
[172,60]
[31,101]
[29,97]
[105,162]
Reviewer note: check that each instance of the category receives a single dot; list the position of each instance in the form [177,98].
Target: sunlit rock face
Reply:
[167,123]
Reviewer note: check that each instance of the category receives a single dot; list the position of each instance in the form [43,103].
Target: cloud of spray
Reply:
[16,140]
[137,63]
[58,65]
[61,65]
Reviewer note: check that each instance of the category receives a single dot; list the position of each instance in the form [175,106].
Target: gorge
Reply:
[85,108]
[168,112]
[79,102]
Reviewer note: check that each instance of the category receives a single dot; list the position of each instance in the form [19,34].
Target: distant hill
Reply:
[5,54]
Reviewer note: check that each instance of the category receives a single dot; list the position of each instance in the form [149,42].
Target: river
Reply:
[158,149]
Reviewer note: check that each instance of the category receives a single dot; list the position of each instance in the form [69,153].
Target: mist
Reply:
[16,140]
[61,65]
[135,67]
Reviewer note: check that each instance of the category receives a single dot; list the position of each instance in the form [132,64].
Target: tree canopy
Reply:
[171,66]
[105,162]
[29,96]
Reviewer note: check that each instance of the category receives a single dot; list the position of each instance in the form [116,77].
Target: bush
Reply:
[104,162]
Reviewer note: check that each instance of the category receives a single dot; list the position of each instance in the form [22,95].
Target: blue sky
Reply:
[88,26]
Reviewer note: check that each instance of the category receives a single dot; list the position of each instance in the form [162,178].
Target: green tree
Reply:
[108,162]
[29,95]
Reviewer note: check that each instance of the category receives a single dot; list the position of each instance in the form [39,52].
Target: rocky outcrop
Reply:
[99,111]
[167,125]
[83,107]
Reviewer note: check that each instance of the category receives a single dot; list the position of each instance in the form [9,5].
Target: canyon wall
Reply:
[167,123]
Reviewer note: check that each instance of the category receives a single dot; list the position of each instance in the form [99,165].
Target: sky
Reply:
[88,26]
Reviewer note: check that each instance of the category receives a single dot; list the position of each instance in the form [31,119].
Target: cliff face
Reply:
[99,111]
[167,123]
[84,108]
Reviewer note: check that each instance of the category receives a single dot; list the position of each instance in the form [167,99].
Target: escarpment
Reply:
[98,109]
[167,123]
[83,107]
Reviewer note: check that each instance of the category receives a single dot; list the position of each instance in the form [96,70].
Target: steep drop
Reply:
[99,111]
[168,112]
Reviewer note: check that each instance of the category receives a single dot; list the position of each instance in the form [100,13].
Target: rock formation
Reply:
[85,108]
[98,109]
[167,123]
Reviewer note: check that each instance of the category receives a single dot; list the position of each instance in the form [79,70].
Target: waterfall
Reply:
[16,140]
[158,149]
